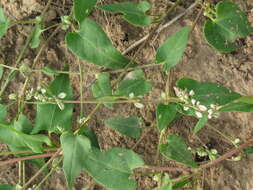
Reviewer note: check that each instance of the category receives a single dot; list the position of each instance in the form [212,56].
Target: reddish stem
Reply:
[3,163]
[204,166]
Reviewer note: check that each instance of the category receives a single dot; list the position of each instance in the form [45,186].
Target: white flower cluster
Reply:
[40,94]
[190,102]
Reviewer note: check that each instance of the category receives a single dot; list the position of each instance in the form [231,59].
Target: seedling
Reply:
[78,148]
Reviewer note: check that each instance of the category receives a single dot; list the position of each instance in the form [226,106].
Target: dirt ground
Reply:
[200,62]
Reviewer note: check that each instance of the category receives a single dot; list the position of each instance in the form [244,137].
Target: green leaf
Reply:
[245,99]
[113,168]
[35,41]
[23,124]
[6,187]
[248,150]
[3,112]
[172,50]
[1,72]
[4,23]
[50,116]
[102,87]
[208,93]
[127,126]
[75,150]
[176,149]
[237,107]
[91,44]
[82,8]
[48,71]
[181,183]
[201,123]
[133,12]
[134,84]
[12,136]
[165,114]
[89,133]
[230,24]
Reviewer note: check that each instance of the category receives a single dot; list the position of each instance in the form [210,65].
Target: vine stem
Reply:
[53,156]
[25,151]
[168,100]
[14,160]
[204,166]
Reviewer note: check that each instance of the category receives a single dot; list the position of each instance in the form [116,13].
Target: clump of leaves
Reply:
[115,168]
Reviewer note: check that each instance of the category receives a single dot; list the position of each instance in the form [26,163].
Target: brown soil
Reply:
[200,62]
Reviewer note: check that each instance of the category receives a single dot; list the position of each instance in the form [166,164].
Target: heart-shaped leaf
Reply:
[90,43]
[165,114]
[171,51]
[127,126]
[113,169]
[50,116]
[82,8]
[4,23]
[176,149]
[230,24]
[75,150]
[133,12]
[208,93]
[12,136]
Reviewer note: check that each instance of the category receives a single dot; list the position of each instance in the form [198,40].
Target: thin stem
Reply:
[14,160]
[88,118]
[54,155]
[25,151]
[227,155]
[204,166]
[227,138]
[33,21]
[47,176]
[81,85]
[170,99]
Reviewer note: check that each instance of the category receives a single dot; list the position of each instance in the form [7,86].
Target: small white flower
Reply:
[13,96]
[139,105]
[199,114]
[193,101]
[210,111]
[43,90]
[62,95]
[186,108]
[38,88]
[202,108]
[131,95]
[191,93]
[177,91]
[209,116]
[237,140]
[212,106]
[214,151]
[198,103]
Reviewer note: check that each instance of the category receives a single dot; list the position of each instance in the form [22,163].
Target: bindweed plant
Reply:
[78,148]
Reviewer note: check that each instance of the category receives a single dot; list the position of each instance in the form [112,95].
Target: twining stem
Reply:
[227,138]
[47,176]
[90,73]
[81,86]
[204,166]
[25,152]
[168,100]
[53,156]
[11,161]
